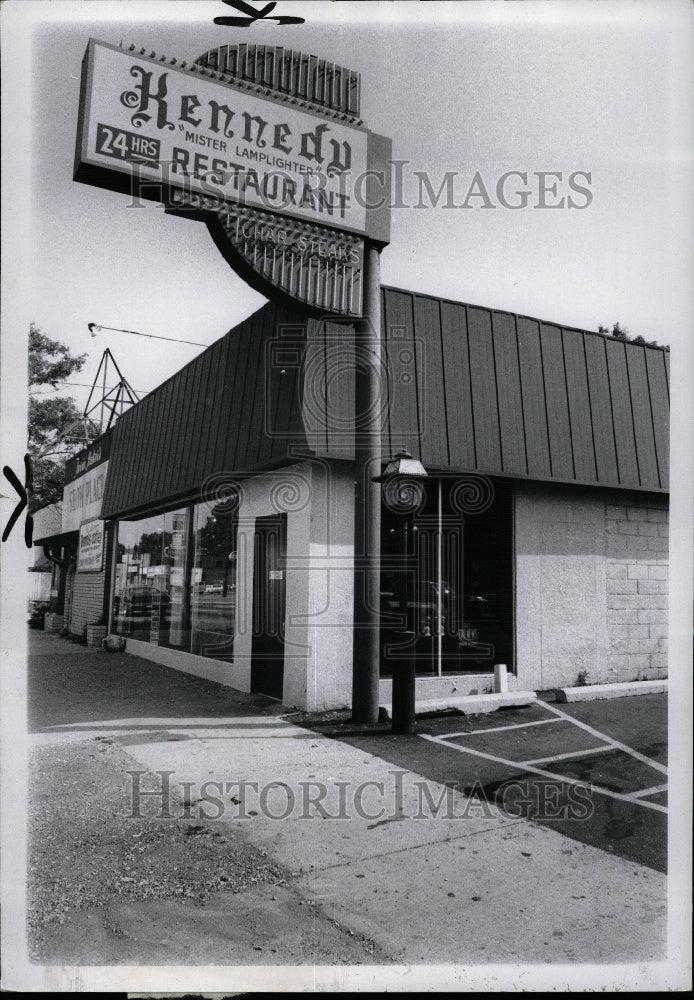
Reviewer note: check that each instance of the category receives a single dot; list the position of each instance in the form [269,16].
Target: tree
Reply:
[56,428]
[50,362]
[621,333]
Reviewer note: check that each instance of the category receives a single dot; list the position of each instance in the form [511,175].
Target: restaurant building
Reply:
[542,542]
[79,549]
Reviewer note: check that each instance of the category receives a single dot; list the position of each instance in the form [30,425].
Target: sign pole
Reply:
[368,407]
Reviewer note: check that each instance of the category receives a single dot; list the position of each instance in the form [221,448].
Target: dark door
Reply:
[267,650]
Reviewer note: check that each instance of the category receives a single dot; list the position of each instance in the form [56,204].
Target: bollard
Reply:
[500,678]
[404,695]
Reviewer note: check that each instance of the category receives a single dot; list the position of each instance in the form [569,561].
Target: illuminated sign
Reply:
[288,186]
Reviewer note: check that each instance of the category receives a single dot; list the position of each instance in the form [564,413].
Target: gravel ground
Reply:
[105,889]
[85,852]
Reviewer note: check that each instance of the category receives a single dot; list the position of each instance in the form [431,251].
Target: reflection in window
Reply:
[447,584]
[149,594]
[175,580]
[213,592]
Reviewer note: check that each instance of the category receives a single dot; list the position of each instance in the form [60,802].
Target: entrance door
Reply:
[267,650]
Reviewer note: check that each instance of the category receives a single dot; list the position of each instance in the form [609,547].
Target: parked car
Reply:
[136,602]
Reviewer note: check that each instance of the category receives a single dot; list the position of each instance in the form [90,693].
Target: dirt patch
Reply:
[105,888]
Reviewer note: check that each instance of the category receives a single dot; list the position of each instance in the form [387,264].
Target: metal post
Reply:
[103,395]
[439,581]
[404,668]
[367,508]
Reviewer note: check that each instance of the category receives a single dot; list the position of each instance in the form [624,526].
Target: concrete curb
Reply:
[473,704]
[596,692]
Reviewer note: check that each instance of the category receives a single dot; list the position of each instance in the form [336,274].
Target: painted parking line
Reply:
[517,765]
[566,756]
[659,789]
[616,744]
[496,729]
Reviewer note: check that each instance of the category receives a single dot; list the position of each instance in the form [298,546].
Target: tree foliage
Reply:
[621,333]
[56,430]
[50,362]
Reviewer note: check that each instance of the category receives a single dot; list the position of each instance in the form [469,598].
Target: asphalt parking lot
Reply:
[595,771]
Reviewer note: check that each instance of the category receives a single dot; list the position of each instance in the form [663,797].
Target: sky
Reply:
[459,87]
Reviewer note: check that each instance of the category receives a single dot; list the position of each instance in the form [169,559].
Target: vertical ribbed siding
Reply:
[431,397]
[533,396]
[467,389]
[513,456]
[455,364]
[400,358]
[578,395]
[657,376]
[484,391]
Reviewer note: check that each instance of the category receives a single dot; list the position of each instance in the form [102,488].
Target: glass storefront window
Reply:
[175,580]
[447,583]
[150,594]
[213,590]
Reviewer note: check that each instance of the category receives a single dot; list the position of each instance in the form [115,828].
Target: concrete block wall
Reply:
[87,601]
[637,588]
[590,585]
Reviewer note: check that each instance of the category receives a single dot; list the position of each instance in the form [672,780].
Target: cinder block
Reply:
[653,601]
[638,543]
[616,545]
[618,602]
[629,664]
[659,633]
[659,661]
[657,572]
[627,528]
[622,616]
[619,662]
[618,646]
[648,586]
[648,528]
[630,631]
[663,530]
[624,586]
[615,512]
[647,616]
[636,513]
[616,571]
[638,571]
[638,601]
[656,515]
[663,586]
[657,544]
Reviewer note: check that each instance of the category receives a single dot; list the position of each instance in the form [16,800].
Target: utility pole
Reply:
[368,417]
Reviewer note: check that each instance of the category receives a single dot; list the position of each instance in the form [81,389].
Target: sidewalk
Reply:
[359,840]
